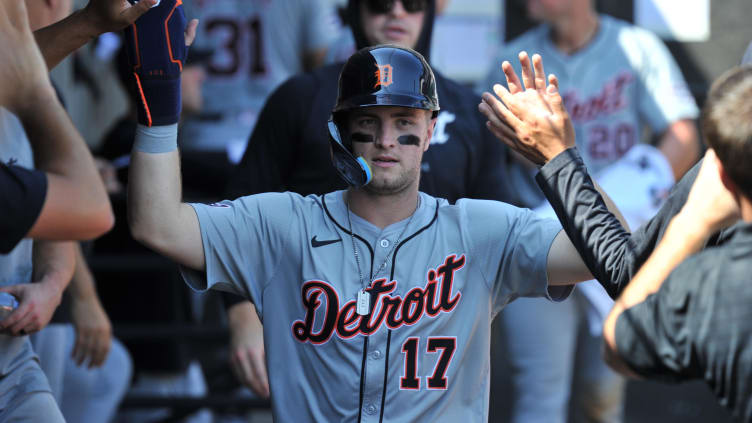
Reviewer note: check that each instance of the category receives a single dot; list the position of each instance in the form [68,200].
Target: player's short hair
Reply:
[727,124]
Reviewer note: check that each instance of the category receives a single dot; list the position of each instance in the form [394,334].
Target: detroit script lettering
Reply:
[434,297]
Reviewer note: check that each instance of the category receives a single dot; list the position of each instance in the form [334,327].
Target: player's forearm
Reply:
[53,264]
[599,237]
[680,145]
[60,151]
[682,238]
[60,39]
[156,215]
[82,284]
[154,191]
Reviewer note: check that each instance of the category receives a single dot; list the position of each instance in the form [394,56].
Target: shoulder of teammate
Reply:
[22,195]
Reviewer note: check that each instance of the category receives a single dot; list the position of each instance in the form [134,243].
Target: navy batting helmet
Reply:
[383,75]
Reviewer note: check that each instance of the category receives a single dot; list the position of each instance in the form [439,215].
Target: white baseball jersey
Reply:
[624,79]
[257,45]
[423,352]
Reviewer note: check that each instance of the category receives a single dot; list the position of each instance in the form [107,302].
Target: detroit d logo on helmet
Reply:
[383,75]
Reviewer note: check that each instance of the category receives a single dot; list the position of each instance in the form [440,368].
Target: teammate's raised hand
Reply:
[710,206]
[22,70]
[530,118]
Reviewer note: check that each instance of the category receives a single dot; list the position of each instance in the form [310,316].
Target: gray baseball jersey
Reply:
[622,80]
[423,353]
[257,45]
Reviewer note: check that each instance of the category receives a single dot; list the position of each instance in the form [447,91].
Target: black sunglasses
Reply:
[385,6]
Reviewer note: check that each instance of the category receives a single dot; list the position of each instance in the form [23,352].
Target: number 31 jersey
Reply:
[257,45]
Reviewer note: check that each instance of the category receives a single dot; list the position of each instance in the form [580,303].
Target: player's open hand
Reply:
[93,331]
[710,207]
[247,355]
[530,118]
[23,72]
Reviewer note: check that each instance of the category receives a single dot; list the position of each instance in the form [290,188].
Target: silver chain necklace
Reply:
[363,305]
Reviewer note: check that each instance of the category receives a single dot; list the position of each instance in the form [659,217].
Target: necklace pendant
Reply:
[363,306]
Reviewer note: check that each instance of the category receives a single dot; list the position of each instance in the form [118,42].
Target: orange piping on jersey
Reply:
[138,52]
[143,99]
[167,34]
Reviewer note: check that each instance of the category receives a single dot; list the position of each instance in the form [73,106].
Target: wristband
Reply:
[156,139]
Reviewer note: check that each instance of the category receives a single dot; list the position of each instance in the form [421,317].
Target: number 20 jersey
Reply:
[621,81]
[423,353]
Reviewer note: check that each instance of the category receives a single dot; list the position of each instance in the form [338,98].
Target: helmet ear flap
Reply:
[355,171]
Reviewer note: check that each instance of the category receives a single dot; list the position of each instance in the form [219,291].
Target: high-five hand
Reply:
[530,118]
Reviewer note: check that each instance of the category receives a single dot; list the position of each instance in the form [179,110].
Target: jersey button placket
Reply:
[384,243]
[376,355]
[371,409]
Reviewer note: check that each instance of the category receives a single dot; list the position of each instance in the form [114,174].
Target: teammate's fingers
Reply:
[504,108]
[259,373]
[236,368]
[554,97]
[132,13]
[513,82]
[540,75]
[244,368]
[527,71]
[83,349]
[100,351]
[504,133]
[26,319]
[190,31]
[486,110]
[12,318]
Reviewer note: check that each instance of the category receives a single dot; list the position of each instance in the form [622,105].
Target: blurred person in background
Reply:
[256,45]
[289,148]
[616,80]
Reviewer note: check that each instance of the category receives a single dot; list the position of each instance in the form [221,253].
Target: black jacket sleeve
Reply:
[610,252]
[22,194]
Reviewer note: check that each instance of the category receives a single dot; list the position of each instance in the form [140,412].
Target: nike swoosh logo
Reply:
[316,243]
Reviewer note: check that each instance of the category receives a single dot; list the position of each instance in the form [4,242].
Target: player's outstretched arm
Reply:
[59,40]
[157,45]
[533,121]
[710,207]
[76,204]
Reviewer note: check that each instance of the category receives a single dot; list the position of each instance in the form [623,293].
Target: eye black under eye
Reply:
[408,140]
[361,137]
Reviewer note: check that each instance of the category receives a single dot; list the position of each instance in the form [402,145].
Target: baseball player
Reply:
[616,80]
[376,300]
[683,315]
[288,150]
[252,56]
